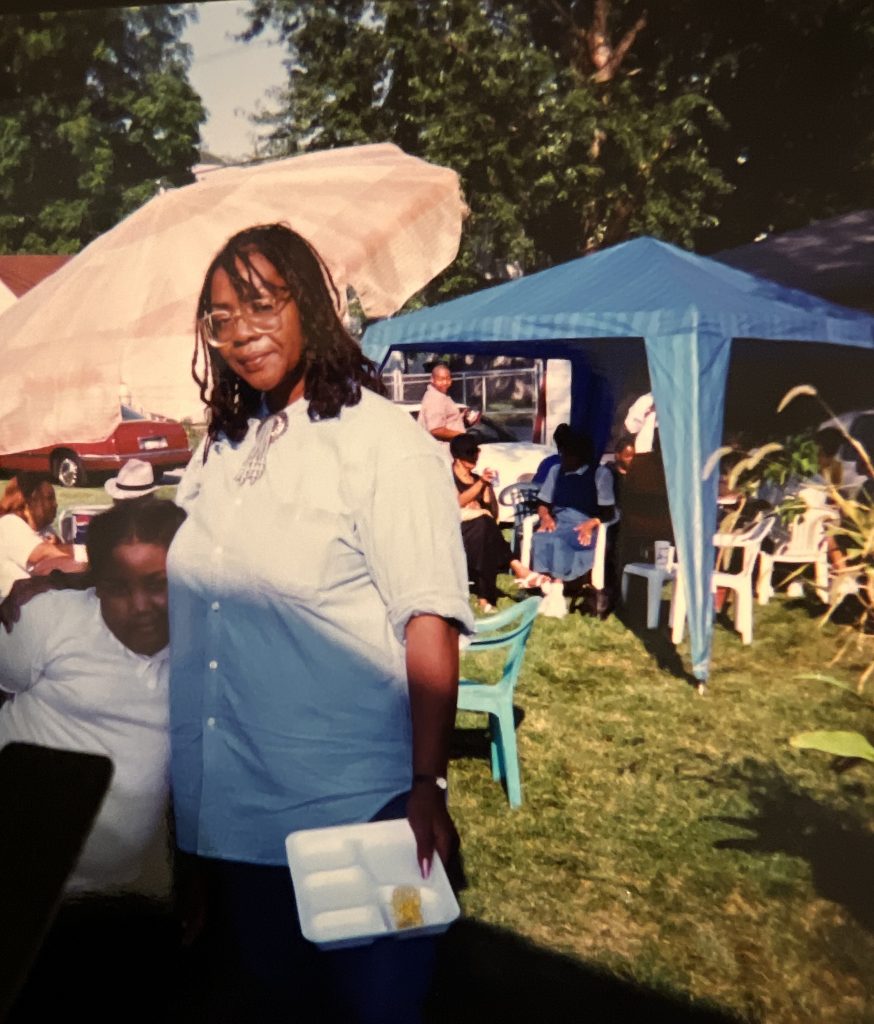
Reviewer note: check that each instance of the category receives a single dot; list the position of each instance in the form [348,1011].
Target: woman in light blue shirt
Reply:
[317,590]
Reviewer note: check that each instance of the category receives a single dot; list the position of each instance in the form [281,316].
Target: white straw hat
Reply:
[135,479]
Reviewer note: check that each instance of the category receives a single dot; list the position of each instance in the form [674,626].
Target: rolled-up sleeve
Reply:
[411,537]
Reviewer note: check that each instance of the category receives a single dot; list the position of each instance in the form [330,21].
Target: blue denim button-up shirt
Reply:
[289,599]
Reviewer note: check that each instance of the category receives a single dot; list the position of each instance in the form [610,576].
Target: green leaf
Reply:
[840,744]
[818,677]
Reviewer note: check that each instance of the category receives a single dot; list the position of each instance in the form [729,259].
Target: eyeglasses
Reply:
[262,315]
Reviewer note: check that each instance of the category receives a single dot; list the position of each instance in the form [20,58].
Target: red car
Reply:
[155,439]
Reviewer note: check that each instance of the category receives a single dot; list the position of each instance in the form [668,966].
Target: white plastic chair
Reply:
[522,497]
[749,541]
[806,545]
[655,576]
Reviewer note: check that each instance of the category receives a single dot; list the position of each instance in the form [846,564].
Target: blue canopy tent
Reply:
[687,309]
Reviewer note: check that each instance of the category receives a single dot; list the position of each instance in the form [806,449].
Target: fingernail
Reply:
[426,867]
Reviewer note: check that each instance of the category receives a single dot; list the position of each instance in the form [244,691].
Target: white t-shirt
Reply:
[77,687]
[17,541]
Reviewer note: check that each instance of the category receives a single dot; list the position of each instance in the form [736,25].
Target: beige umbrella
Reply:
[7,296]
[120,314]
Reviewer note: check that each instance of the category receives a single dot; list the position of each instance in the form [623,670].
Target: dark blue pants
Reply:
[277,975]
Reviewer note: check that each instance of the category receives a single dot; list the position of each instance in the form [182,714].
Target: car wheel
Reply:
[67,469]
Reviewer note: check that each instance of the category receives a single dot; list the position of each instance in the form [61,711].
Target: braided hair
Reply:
[335,369]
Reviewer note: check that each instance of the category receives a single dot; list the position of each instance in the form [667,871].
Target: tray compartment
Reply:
[314,851]
[347,926]
[334,890]
[391,863]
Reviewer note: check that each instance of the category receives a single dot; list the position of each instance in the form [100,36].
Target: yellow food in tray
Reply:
[406,907]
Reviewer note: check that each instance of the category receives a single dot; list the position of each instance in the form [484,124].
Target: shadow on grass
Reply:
[656,642]
[838,846]
[485,973]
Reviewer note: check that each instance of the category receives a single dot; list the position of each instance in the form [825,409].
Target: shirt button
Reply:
[210,722]
[213,664]
[238,502]
[151,685]
[218,549]
[215,606]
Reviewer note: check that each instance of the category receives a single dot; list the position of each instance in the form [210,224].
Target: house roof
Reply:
[21,272]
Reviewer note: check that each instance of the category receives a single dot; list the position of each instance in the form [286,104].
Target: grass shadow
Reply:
[486,973]
[656,642]
[838,846]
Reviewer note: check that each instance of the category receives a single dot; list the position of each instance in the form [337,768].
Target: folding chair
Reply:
[508,629]
[749,543]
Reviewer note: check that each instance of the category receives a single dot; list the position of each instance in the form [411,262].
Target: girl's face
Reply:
[270,362]
[133,597]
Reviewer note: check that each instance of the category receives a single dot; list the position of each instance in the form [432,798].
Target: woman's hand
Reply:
[547,523]
[431,824]
[22,591]
[586,530]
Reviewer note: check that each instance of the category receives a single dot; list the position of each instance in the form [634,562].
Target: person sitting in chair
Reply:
[442,417]
[573,498]
[484,545]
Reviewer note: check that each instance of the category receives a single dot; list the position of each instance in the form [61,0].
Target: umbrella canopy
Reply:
[687,309]
[7,296]
[122,310]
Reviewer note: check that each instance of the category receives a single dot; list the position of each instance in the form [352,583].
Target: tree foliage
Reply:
[96,114]
[794,83]
[577,123]
[559,151]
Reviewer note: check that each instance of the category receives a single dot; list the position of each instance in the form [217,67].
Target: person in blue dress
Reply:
[570,499]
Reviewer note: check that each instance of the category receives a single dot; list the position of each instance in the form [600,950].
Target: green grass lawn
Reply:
[674,840]
[669,843]
[68,496]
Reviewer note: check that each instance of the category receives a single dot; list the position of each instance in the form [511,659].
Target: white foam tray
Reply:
[344,878]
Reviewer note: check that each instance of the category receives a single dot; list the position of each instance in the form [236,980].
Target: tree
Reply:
[97,113]
[559,150]
[577,123]
[793,83]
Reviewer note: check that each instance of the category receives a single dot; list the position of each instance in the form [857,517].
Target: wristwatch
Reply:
[438,780]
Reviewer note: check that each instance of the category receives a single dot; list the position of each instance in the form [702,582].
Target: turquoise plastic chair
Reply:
[509,628]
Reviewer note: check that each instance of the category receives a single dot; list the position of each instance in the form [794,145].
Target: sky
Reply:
[233,78]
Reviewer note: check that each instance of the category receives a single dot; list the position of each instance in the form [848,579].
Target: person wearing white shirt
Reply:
[27,509]
[88,671]
[642,422]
